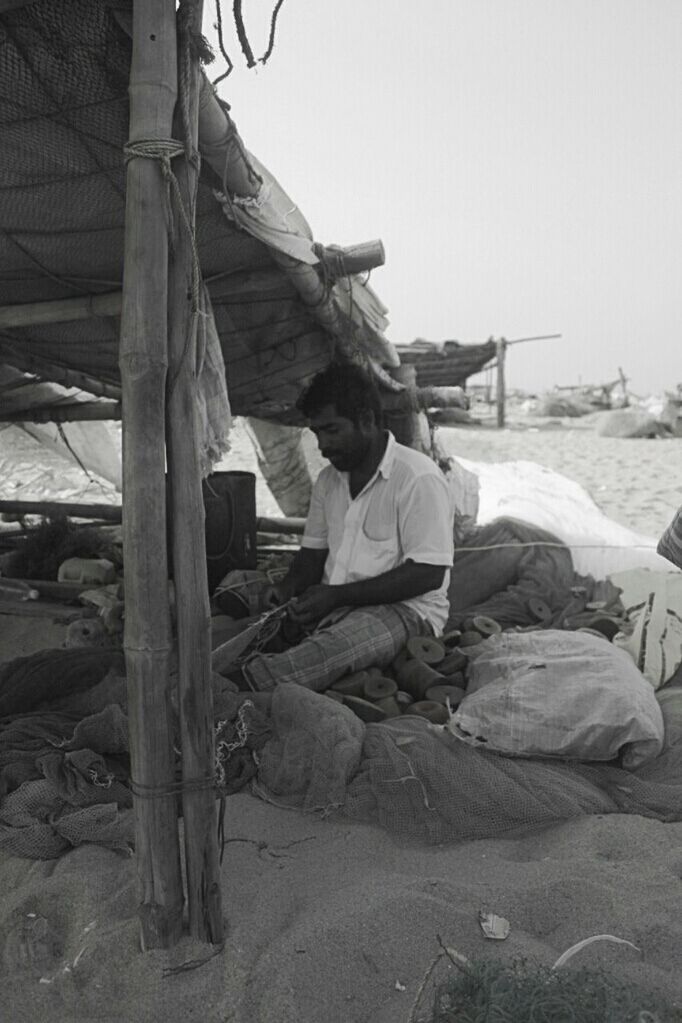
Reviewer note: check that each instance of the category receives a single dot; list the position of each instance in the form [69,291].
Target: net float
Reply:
[426,649]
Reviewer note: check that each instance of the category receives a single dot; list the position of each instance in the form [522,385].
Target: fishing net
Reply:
[418,781]
[64,113]
[494,992]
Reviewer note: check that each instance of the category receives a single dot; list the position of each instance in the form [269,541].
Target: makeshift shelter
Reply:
[131,274]
[447,364]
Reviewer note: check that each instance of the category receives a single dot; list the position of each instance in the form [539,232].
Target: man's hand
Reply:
[314,604]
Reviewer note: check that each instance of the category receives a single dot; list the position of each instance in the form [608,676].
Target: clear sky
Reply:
[520,159]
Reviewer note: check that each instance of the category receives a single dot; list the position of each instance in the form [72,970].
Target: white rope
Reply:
[563,546]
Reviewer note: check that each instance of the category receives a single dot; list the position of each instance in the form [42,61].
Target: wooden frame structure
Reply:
[157,400]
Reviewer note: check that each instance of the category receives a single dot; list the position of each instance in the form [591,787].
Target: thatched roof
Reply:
[64,69]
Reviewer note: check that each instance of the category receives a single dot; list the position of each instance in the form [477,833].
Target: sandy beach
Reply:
[340,922]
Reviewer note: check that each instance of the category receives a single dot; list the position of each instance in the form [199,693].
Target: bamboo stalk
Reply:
[61,310]
[291,525]
[195,696]
[26,362]
[73,412]
[500,348]
[55,509]
[143,365]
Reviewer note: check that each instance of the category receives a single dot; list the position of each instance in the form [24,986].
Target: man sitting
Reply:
[373,568]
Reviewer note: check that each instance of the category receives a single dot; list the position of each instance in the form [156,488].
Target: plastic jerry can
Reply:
[89,571]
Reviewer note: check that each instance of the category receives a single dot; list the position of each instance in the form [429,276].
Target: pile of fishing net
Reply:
[495,992]
[417,780]
[504,568]
[64,753]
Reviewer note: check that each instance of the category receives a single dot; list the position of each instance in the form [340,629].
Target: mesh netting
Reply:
[418,781]
[64,69]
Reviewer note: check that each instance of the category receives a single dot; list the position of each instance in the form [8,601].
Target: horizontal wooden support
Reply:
[54,509]
[40,609]
[49,588]
[62,310]
[75,412]
[290,526]
[112,513]
[27,362]
[342,261]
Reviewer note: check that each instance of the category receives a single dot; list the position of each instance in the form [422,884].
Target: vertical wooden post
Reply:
[402,413]
[143,364]
[500,349]
[195,697]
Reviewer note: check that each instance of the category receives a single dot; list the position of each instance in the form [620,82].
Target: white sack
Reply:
[554,693]
[527,491]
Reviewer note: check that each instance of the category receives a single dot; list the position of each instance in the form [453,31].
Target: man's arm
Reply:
[407,580]
[306,570]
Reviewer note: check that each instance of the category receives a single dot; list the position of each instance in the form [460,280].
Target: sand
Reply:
[336,922]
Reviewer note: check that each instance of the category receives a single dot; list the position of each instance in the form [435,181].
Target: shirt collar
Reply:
[385,466]
[386,463]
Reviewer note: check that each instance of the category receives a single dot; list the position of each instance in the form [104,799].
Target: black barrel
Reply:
[230,524]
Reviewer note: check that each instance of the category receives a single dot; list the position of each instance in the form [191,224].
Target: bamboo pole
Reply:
[500,348]
[54,509]
[61,310]
[195,697]
[71,412]
[143,365]
[26,362]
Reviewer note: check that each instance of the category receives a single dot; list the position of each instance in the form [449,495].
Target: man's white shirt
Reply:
[404,512]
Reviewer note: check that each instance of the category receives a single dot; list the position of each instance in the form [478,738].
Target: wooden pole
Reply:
[26,362]
[500,349]
[110,513]
[195,697]
[73,412]
[143,365]
[61,310]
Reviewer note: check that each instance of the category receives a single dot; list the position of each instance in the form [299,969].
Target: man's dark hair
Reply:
[345,386]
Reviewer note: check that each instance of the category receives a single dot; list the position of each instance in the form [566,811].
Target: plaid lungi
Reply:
[348,640]
[670,544]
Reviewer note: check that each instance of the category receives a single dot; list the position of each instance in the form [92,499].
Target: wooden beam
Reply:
[500,348]
[54,509]
[193,613]
[62,310]
[143,364]
[71,412]
[290,525]
[27,362]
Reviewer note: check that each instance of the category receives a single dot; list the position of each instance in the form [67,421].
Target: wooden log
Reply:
[402,414]
[290,526]
[49,588]
[143,365]
[27,362]
[500,348]
[55,509]
[193,614]
[342,261]
[62,310]
[75,412]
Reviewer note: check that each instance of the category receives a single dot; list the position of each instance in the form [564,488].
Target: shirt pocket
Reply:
[375,556]
[378,527]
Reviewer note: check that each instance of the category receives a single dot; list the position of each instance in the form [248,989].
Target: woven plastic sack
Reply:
[559,694]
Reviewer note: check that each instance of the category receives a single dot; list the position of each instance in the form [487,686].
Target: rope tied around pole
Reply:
[164,151]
